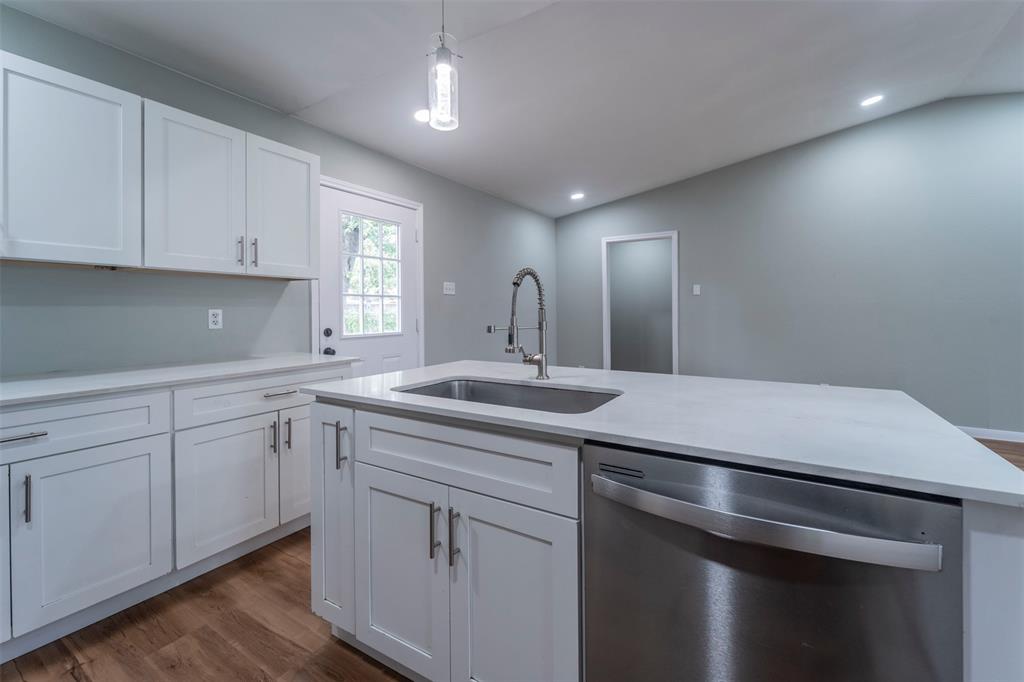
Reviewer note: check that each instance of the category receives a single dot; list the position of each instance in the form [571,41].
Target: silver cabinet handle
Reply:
[452,549]
[273,436]
[255,252]
[756,531]
[434,542]
[24,436]
[241,250]
[280,393]
[28,498]
[288,433]
[338,459]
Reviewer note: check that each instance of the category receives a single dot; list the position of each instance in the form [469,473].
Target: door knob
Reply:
[329,351]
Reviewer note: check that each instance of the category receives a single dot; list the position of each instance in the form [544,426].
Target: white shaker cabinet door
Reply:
[401,578]
[225,485]
[195,192]
[5,555]
[86,526]
[70,167]
[282,210]
[295,463]
[331,522]
[515,592]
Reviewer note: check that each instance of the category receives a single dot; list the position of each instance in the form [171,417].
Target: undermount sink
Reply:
[526,396]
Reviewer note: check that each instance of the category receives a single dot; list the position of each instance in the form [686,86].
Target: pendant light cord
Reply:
[442,23]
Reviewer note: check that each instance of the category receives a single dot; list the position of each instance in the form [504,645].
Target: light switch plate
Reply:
[696,290]
[448,288]
[215,318]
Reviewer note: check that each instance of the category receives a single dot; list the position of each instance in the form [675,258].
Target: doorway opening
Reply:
[640,302]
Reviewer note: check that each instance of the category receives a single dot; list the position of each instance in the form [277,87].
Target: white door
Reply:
[86,526]
[5,555]
[333,573]
[282,197]
[514,592]
[70,167]
[295,462]
[369,281]
[401,577]
[195,192]
[225,485]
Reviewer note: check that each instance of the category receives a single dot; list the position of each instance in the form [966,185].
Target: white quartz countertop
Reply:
[867,435]
[62,385]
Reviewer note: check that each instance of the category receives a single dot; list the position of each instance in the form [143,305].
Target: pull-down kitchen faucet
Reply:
[540,359]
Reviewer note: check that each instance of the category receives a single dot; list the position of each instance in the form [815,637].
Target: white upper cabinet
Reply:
[283,210]
[70,167]
[195,192]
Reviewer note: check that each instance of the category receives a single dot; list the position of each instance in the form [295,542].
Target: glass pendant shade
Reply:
[443,82]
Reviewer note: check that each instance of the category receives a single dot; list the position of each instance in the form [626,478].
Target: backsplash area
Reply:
[80,319]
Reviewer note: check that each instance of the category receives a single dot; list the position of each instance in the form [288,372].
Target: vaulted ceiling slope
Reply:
[609,98]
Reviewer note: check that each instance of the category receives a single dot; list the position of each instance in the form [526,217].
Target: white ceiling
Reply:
[610,98]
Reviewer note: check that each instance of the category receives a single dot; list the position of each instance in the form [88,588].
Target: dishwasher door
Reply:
[695,571]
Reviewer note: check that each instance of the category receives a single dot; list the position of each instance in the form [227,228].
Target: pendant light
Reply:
[443,80]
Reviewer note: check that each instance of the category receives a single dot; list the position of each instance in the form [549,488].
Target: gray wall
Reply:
[640,305]
[471,238]
[887,255]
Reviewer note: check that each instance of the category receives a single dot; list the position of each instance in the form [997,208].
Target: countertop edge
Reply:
[197,377]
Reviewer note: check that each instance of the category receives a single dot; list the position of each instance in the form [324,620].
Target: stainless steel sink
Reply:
[527,396]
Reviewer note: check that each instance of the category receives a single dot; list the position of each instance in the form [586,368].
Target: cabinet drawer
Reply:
[535,473]
[232,400]
[40,431]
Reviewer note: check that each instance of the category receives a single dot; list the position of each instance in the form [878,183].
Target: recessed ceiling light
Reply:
[874,99]
[422,115]
[576,196]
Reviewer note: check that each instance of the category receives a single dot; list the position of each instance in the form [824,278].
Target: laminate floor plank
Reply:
[247,620]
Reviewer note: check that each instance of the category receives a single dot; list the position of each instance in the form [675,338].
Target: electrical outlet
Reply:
[448,289]
[215,318]
[696,290]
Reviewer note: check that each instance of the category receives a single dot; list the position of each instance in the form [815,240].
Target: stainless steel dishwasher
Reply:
[696,571]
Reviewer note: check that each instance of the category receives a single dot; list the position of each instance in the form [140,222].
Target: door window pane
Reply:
[371,315]
[371,283]
[390,278]
[391,315]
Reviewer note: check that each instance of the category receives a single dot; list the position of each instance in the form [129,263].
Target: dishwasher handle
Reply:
[756,531]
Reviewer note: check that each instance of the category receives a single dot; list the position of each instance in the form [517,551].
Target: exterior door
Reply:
[514,595]
[195,192]
[295,462]
[70,166]
[88,525]
[226,485]
[401,578]
[369,281]
[281,209]
[333,569]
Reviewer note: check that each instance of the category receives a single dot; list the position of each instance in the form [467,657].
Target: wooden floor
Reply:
[248,620]
[1011,452]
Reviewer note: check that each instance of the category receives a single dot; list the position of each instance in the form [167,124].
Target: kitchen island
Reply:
[528,460]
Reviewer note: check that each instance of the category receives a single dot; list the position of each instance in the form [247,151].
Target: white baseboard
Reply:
[76,621]
[993,434]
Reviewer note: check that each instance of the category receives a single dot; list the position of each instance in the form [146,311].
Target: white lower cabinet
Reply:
[514,594]
[402,582]
[460,586]
[333,562]
[295,462]
[226,485]
[5,554]
[86,526]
